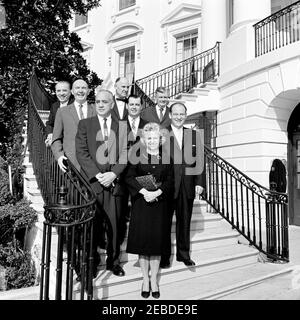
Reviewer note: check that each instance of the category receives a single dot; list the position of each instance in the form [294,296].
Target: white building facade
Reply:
[257,93]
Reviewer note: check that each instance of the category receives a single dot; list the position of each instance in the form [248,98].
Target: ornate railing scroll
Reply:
[69,211]
[277,30]
[259,214]
[185,75]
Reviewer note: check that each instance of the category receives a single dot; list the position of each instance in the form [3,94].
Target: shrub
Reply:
[14,217]
[19,269]
[5,195]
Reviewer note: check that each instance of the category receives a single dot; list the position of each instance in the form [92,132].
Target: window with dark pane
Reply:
[123,4]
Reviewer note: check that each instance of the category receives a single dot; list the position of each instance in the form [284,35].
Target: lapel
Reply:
[73,113]
[154,112]
[112,137]
[97,129]
[116,110]
[176,144]
[166,115]
[91,110]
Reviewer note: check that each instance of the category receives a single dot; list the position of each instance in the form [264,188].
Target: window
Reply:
[126,63]
[123,4]
[80,20]
[186,46]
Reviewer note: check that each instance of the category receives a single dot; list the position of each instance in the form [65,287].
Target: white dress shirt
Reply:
[84,109]
[178,133]
[64,104]
[136,124]
[108,123]
[121,108]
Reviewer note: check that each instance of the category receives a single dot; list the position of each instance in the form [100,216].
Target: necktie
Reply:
[161,115]
[125,100]
[81,112]
[105,131]
[133,126]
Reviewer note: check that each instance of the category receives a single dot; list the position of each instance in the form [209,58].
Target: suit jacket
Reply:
[115,112]
[90,151]
[64,132]
[53,109]
[184,164]
[150,115]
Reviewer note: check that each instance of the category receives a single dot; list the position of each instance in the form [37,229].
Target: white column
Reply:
[213,23]
[248,12]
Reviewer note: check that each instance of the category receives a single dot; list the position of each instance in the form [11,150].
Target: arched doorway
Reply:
[294,166]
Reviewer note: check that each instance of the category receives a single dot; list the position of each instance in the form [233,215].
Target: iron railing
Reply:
[256,212]
[278,30]
[68,225]
[185,75]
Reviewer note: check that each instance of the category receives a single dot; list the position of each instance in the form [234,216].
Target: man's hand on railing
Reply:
[60,162]
[48,141]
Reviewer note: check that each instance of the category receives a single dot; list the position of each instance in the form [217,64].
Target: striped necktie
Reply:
[105,131]
[81,112]
[161,115]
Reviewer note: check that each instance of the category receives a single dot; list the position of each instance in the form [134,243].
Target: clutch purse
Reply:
[148,182]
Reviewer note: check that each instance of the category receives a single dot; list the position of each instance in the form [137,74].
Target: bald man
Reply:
[66,123]
[119,111]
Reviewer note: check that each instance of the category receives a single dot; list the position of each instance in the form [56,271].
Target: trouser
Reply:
[183,207]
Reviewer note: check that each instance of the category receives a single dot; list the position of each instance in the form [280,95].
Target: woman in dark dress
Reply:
[149,219]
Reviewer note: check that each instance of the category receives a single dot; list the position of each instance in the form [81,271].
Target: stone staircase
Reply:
[204,97]
[215,249]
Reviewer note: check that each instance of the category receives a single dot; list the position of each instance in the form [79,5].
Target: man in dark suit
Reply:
[101,150]
[63,94]
[159,113]
[134,121]
[135,124]
[187,152]
[66,123]
[119,111]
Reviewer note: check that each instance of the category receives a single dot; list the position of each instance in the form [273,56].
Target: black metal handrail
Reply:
[68,213]
[256,212]
[277,30]
[185,75]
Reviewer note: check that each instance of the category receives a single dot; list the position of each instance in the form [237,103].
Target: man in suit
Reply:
[66,123]
[63,94]
[101,149]
[119,111]
[187,153]
[159,113]
[135,124]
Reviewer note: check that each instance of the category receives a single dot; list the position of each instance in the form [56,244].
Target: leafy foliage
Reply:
[5,195]
[19,269]
[14,217]
[37,36]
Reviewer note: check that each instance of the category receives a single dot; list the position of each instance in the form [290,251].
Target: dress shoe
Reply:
[117,270]
[156,294]
[164,264]
[187,262]
[145,294]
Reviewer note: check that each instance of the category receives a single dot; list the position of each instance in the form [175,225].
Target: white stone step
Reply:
[205,287]
[187,96]
[207,261]
[31,182]
[200,91]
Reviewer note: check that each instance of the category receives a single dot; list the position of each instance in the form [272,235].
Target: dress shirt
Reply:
[136,124]
[121,107]
[178,133]
[84,109]
[63,104]
[108,123]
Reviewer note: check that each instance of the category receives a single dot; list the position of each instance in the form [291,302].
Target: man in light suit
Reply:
[63,94]
[160,112]
[119,111]
[187,152]
[101,150]
[66,123]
